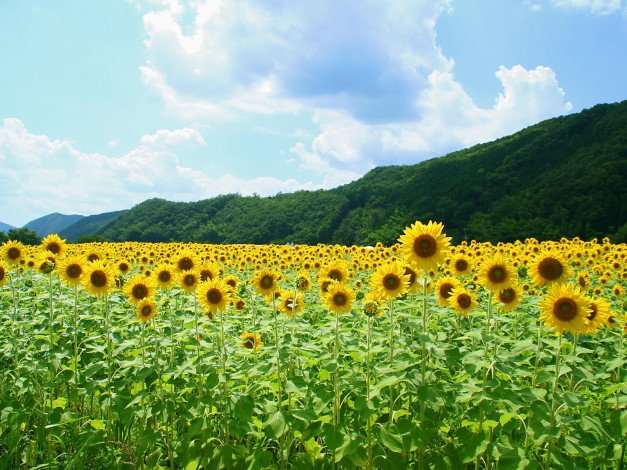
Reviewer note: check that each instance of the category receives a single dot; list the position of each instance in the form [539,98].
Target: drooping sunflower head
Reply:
[45,262]
[146,309]
[508,299]
[462,300]
[565,308]
[372,304]
[164,276]
[214,295]
[138,288]
[496,273]
[251,341]
[425,245]
[599,313]
[390,280]
[339,297]
[71,270]
[98,278]
[549,268]
[303,282]
[12,252]
[444,288]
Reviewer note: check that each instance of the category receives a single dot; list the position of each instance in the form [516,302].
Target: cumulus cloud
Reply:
[40,175]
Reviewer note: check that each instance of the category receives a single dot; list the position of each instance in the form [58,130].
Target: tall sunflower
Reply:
[444,288]
[188,280]
[146,309]
[186,260]
[390,280]
[138,288]
[425,245]
[565,308]
[12,252]
[71,269]
[508,299]
[291,305]
[461,265]
[251,341]
[214,295]
[496,273]
[53,244]
[98,278]
[462,300]
[339,297]
[599,313]
[265,281]
[549,268]
[164,276]
[337,270]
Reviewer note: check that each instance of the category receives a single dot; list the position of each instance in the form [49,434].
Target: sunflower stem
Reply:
[226,385]
[51,330]
[535,369]
[554,401]
[572,374]
[368,340]
[110,367]
[619,369]
[391,356]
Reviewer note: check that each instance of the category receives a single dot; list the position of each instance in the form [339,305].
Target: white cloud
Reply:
[598,7]
[39,175]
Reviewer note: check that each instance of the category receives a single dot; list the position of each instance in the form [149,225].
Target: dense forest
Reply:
[563,177]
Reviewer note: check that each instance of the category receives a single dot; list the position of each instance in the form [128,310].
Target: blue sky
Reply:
[106,103]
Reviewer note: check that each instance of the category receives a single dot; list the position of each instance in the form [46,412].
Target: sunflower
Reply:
[289,305]
[583,279]
[137,288]
[549,268]
[53,244]
[265,281]
[3,275]
[425,245]
[372,304]
[461,265]
[339,297]
[214,295]
[71,270]
[412,285]
[496,273]
[462,300]
[510,298]
[209,270]
[186,260]
[239,304]
[123,266]
[98,278]
[390,280]
[251,341]
[618,291]
[232,281]
[565,308]
[599,313]
[188,280]
[146,309]
[164,276]
[12,252]
[303,282]
[444,288]
[337,270]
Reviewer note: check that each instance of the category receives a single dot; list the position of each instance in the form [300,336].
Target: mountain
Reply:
[5,227]
[52,223]
[563,177]
[88,225]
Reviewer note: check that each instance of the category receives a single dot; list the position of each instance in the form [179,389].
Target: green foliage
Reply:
[561,177]
[27,237]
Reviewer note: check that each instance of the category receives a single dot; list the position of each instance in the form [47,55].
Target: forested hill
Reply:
[563,177]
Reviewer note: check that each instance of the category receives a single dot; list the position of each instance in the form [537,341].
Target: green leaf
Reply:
[275,426]
[97,424]
[391,438]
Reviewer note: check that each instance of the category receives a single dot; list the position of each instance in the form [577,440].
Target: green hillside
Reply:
[561,177]
[88,225]
[52,223]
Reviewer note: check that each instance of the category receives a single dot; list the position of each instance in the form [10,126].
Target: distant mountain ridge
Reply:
[88,225]
[52,223]
[6,227]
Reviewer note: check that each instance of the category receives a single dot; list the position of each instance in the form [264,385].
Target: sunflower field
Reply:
[424,354]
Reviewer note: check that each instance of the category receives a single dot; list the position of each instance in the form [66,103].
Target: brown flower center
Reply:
[391,282]
[266,282]
[461,265]
[53,248]
[2,273]
[93,257]
[593,312]
[425,246]
[445,290]
[185,264]
[98,278]
[339,299]
[214,296]
[164,276]
[565,309]
[336,275]
[13,253]
[73,271]
[140,291]
[146,310]
[508,295]
[497,274]
[189,280]
[550,268]
[464,300]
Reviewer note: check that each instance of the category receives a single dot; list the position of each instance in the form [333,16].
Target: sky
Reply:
[107,103]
